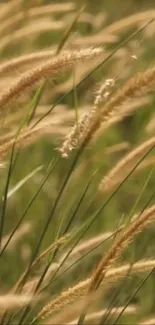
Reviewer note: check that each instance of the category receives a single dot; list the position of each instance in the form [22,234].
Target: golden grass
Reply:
[25,60]
[46,252]
[11,301]
[33,29]
[49,68]
[80,290]
[117,148]
[116,98]
[9,8]
[78,136]
[122,168]
[94,317]
[149,321]
[22,231]
[34,13]
[68,316]
[124,238]
[83,132]
[129,21]
[78,75]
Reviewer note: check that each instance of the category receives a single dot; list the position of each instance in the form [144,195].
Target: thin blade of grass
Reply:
[70,222]
[23,181]
[50,170]
[134,294]
[4,197]
[56,250]
[69,30]
[104,318]
[122,288]
[84,228]
[35,101]
[48,221]
[25,120]
[84,312]
[140,195]
[29,205]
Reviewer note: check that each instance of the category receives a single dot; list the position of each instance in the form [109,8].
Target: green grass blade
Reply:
[69,30]
[35,101]
[28,206]
[4,197]
[48,221]
[134,294]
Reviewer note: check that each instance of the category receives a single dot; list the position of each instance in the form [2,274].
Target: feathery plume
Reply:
[77,136]
[49,68]
[35,12]
[91,122]
[124,238]
[41,26]
[122,168]
[25,60]
[80,290]
[11,301]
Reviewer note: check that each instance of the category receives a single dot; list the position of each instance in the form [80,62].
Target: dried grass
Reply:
[129,21]
[46,252]
[27,60]
[150,321]
[80,290]
[11,301]
[78,75]
[78,135]
[49,68]
[124,238]
[10,7]
[99,314]
[117,148]
[24,229]
[110,107]
[34,13]
[33,29]
[122,168]
[90,123]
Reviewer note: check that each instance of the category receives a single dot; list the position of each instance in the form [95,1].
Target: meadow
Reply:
[77,162]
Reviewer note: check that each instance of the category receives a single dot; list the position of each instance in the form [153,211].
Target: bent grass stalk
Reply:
[49,68]
[90,284]
[137,225]
[25,60]
[48,250]
[11,301]
[124,165]
[80,290]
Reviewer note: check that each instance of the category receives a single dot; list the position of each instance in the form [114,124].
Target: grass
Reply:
[77,163]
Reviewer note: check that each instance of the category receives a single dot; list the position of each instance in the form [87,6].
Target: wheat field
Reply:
[77,162]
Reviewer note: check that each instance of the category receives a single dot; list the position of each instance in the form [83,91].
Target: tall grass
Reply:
[77,203]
